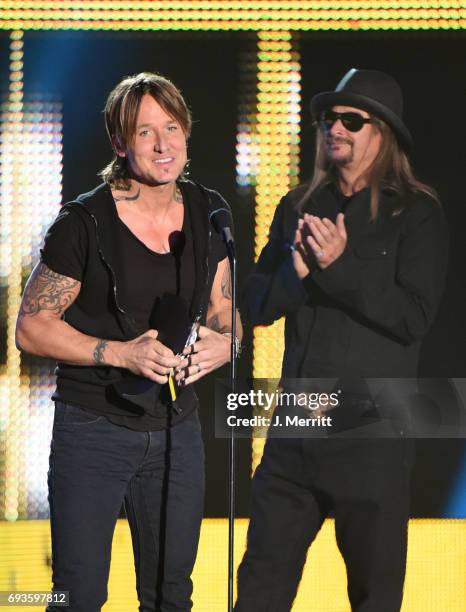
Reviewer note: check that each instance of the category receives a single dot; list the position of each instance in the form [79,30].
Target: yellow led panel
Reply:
[267,156]
[12,392]
[277,130]
[225,15]
[30,195]
[436,566]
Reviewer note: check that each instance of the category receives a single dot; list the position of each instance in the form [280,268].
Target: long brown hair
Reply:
[390,170]
[121,111]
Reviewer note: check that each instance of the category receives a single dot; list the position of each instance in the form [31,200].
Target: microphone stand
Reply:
[231,447]
[221,219]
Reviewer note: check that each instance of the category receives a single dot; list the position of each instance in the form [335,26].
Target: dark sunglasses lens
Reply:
[327,119]
[352,121]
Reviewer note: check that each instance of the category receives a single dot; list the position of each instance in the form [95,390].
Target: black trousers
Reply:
[364,484]
[94,466]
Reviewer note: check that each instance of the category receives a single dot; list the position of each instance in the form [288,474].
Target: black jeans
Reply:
[94,466]
[365,483]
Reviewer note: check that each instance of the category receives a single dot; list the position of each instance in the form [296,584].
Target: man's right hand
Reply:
[299,253]
[146,356]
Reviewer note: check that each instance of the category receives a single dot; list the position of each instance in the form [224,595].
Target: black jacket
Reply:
[366,313]
[97,311]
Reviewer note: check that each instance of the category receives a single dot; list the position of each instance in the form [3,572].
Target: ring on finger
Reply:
[320,254]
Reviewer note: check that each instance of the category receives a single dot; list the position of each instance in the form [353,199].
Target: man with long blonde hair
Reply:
[356,262]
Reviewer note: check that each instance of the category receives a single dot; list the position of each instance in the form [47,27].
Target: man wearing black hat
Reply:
[356,262]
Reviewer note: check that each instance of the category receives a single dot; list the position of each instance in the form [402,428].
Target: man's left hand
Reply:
[327,240]
[208,353]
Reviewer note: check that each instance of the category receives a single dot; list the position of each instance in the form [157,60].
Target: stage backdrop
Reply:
[248,83]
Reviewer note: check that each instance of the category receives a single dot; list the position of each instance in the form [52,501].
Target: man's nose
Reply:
[337,128]
[160,142]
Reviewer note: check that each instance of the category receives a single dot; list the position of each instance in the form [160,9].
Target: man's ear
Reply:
[118,147]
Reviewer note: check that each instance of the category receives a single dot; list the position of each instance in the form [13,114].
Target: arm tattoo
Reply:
[226,284]
[130,198]
[99,350]
[214,324]
[47,290]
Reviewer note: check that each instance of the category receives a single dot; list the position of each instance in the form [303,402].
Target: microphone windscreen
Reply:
[220,219]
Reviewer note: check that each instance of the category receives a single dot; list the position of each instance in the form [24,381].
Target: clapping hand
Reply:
[325,239]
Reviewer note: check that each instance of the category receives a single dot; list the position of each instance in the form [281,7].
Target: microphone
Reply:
[222,221]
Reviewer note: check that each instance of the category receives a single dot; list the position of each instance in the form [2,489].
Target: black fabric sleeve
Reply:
[66,245]
[405,308]
[273,288]
[218,247]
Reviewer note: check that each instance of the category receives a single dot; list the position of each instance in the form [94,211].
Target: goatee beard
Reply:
[341,161]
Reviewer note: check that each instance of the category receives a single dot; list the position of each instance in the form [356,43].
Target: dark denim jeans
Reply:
[94,466]
[364,483]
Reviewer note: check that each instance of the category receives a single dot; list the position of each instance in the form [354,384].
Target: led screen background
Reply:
[65,75]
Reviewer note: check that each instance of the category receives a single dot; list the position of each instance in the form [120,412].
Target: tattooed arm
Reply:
[219,310]
[46,297]
[212,349]
[40,330]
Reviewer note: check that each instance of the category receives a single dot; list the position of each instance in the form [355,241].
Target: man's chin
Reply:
[155,181]
[341,159]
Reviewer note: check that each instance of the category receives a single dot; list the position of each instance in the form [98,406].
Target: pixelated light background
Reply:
[248,70]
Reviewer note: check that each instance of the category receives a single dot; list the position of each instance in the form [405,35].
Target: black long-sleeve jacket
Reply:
[366,313]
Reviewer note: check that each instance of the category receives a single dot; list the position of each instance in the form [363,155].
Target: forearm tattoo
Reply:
[47,290]
[214,324]
[226,284]
[99,352]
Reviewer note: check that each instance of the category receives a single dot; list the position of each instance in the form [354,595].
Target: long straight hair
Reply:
[390,170]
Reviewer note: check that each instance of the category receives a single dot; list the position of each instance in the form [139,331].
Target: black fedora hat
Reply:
[372,91]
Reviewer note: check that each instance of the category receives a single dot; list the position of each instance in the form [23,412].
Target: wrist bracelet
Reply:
[238,347]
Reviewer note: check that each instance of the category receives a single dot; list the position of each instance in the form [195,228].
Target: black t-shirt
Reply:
[148,276]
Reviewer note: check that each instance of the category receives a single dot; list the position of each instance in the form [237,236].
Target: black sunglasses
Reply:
[353,122]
